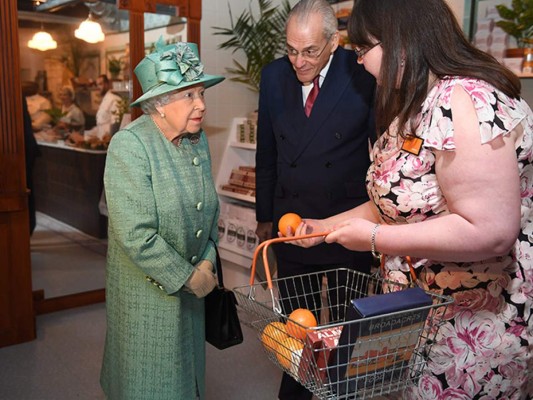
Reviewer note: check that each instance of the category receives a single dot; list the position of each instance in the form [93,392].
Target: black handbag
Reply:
[222,325]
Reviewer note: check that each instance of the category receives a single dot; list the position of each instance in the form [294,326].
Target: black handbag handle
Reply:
[219,268]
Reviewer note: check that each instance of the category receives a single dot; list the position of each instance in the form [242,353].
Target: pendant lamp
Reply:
[90,31]
[42,41]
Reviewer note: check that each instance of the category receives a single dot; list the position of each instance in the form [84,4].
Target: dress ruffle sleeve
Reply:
[497,113]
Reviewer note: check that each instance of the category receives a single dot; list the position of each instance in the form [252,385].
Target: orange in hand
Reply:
[289,219]
[300,319]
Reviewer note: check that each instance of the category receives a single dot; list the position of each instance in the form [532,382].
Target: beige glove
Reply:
[202,280]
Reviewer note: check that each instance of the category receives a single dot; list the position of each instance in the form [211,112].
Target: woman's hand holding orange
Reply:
[306,227]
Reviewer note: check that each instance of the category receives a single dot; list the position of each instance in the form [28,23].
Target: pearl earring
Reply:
[162,115]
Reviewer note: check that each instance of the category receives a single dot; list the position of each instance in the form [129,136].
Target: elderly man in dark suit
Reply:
[312,158]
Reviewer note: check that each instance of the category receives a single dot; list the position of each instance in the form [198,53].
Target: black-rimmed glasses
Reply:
[361,53]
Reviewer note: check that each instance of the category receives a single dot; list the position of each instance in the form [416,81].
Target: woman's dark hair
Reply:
[425,37]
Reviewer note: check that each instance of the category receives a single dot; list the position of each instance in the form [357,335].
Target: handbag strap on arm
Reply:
[219,267]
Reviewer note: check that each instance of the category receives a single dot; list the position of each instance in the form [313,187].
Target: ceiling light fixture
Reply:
[90,31]
[42,41]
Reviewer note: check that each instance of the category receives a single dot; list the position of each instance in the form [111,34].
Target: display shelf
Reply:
[230,253]
[237,239]
[236,196]
[235,154]
[248,146]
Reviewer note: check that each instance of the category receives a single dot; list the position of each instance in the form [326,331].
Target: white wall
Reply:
[226,100]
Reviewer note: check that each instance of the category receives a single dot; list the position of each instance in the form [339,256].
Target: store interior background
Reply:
[225,102]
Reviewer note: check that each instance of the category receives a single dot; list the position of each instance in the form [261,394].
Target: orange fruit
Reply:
[289,219]
[273,334]
[303,317]
[289,352]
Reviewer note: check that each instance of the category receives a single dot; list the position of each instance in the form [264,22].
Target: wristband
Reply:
[373,241]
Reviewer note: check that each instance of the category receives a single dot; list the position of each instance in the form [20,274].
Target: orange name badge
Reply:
[413,145]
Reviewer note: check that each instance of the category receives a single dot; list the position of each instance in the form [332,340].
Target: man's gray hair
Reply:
[304,8]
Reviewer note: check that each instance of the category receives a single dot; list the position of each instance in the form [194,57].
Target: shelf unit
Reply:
[237,210]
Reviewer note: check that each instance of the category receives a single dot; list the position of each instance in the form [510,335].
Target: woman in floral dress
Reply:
[451,185]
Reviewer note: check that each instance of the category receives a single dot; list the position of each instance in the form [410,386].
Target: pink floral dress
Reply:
[483,350]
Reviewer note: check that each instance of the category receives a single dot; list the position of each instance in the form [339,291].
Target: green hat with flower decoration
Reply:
[171,67]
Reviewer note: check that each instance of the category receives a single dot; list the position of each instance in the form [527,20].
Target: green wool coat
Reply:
[163,209]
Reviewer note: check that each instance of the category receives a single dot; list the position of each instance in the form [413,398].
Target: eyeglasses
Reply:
[361,53]
[308,54]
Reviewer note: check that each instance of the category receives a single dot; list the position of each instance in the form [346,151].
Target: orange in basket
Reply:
[302,317]
[273,334]
[289,219]
[288,352]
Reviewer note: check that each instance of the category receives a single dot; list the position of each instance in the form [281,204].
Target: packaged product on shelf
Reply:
[251,240]
[231,233]
[246,132]
[243,176]
[238,189]
[240,228]
[241,236]
[237,177]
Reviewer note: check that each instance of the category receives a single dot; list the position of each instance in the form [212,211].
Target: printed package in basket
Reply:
[316,352]
[379,347]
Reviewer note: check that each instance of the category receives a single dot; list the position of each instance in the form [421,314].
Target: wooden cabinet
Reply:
[68,183]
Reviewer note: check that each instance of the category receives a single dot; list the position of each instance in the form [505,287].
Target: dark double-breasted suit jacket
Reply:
[316,166]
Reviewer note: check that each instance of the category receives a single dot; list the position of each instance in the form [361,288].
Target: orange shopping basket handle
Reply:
[264,246]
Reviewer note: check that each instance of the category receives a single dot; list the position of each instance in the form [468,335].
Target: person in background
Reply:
[37,106]
[163,213]
[107,113]
[73,118]
[451,186]
[312,164]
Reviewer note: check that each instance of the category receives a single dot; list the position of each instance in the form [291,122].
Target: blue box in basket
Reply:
[377,349]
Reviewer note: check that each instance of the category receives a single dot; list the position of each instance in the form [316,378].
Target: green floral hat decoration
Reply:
[171,67]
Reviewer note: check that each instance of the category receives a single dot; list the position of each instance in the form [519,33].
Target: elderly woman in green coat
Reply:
[163,211]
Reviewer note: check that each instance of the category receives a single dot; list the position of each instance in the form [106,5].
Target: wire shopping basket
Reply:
[343,357]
